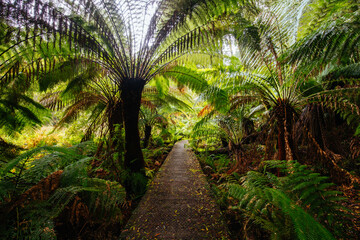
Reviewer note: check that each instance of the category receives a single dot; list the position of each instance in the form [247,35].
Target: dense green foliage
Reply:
[94,93]
[60,179]
[286,206]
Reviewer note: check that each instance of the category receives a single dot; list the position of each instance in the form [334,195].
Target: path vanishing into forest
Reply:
[178,204]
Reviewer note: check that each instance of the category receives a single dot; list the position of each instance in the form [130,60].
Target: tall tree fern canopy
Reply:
[94,93]
[131,41]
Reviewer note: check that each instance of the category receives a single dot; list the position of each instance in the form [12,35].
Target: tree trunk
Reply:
[285,140]
[116,123]
[148,129]
[237,152]
[115,116]
[281,140]
[135,182]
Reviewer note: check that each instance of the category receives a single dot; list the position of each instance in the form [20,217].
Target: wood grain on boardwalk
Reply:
[178,204]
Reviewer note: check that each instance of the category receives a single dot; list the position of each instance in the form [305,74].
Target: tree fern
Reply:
[107,34]
[18,110]
[298,204]
[330,43]
[274,70]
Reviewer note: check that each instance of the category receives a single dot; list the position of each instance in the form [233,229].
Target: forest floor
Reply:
[178,204]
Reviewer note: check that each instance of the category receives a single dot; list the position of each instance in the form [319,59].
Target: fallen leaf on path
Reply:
[194,170]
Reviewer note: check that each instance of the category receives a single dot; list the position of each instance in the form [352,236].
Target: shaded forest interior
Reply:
[95,93]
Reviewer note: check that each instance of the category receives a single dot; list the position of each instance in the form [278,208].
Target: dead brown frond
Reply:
[40,191]
[52,101]
[355,147]
[207,109]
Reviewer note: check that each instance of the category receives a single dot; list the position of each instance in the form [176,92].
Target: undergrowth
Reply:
[278,200]
[66,193]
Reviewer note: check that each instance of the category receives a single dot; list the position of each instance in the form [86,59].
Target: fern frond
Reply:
[298,196]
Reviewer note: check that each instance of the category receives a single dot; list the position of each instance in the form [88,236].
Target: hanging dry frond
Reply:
[41,191]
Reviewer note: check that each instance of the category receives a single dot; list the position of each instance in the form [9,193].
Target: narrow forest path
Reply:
[178,205]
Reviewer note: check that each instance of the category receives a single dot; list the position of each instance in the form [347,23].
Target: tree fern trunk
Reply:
[116,124]
[284,121]
[134,161]
[115,117]
[237,152]
[281,139]
[148,129]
